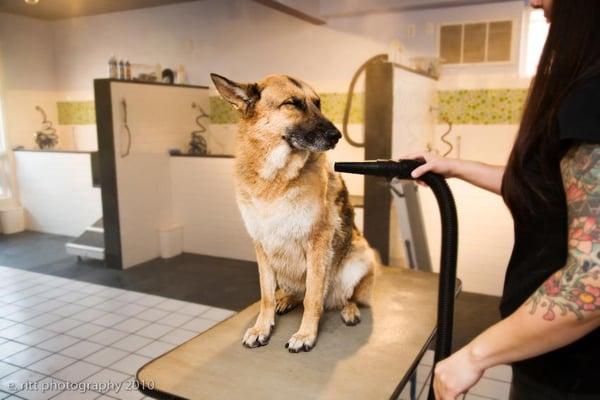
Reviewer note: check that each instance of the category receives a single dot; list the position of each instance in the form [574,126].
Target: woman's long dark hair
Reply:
[570,56]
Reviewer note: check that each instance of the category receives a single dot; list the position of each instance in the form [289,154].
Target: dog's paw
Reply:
[285,303]
[301,342]
[257,336]
[351,314]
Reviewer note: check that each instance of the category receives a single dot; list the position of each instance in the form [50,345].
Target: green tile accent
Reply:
[481,107]
[332,105]
[76,113]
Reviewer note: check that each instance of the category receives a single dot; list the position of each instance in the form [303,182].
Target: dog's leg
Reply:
[259,334]
[316,276]
[285,302]
[350,313]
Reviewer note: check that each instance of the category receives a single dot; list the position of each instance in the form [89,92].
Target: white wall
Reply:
[56,191]
[237,38]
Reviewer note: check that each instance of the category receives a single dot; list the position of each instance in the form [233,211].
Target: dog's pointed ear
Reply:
[243,96]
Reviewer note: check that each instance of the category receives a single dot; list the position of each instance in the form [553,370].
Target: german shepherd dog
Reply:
[295,208]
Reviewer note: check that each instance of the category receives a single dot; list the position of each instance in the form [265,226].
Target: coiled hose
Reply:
[447,284]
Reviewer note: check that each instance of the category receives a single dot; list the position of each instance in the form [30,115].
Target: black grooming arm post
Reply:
[447,284]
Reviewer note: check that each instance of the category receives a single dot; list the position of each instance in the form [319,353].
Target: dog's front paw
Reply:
[257,336]
[301,342]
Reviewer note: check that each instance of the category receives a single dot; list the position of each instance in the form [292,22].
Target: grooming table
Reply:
[372,360]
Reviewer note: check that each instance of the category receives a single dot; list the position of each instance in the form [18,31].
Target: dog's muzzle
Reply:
[318,137]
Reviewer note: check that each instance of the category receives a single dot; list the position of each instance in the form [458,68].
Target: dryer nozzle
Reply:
[386,168]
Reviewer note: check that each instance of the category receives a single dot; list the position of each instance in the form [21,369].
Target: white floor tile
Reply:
[131,310]
[68,310]
[178,336]
[71,296]
[92,288]
[77,372]
[150,300]
[154,331]
[16,331]
[81,350]
[27,356]
[8,309]
[49,305]
[152,314]
[132,343]
[57,343]
[88,314]
[491,388]
[155,349]
[90,301]
[42,320]
[16,381]
[51,364]
[172,305]
[217,314]
[130,364]
[194,309]
[108,336]
[63,325]
[130,297]
[9,348]
[110,305]
[5,323]
[106,356]
[37,336]
[175,319]
[199,324]
[76,395]
[131,325]
[22,314]
[85,330]
[109,319]
[30,301]
[6,369]
[500,372]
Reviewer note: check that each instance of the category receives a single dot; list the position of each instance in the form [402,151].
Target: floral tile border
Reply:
[481,107]
[76,113]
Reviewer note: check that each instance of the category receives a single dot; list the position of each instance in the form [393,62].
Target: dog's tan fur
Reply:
[296,209]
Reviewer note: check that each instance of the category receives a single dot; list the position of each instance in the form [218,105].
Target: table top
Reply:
[369,360]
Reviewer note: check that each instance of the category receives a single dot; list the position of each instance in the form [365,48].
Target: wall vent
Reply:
[476,43]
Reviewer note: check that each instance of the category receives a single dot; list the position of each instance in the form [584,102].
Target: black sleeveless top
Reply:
[540,249]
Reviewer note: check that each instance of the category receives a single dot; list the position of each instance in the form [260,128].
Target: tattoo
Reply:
[576,287]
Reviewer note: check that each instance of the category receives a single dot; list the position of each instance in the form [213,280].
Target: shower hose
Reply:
[447,283]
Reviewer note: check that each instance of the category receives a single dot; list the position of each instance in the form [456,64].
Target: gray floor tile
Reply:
[85,331]
[199,324]
[37,336]
[175,319]
[178,336]
[42,320]
[15,331]
[42,390]
[7,369]
[88,314]
[131,325]
[107,380]
[154,331]
[109,319]
[63,325]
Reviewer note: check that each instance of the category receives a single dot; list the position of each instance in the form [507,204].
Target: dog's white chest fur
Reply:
[277,222]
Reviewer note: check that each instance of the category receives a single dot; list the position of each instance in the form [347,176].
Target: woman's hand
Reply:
[488,177]
[433,163]
[455,375]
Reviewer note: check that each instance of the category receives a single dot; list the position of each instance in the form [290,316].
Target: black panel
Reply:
[378,144]
[108,174]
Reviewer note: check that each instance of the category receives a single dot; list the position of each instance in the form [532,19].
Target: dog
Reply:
[295,208]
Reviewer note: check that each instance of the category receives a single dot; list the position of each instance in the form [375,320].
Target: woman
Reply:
[551,302]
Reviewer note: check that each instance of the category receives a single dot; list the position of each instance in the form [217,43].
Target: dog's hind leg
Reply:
[285,302]
[362,291]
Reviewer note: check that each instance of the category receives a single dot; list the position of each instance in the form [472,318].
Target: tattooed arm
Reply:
[565,308]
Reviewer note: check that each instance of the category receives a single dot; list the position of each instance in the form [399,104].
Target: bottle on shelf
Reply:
[112,68]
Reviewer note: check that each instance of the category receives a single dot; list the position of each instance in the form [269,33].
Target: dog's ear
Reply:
[243,96]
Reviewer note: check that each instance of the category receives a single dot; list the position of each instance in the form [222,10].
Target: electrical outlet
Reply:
[411,30]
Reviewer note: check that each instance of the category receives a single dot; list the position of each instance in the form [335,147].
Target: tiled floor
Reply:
[66,339]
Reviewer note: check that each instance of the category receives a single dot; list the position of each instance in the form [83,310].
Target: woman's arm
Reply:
[485,176]
[565,308]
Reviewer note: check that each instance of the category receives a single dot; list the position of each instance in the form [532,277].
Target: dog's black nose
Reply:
[334,135]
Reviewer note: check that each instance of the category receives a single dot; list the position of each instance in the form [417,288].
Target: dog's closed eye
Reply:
[294,102]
